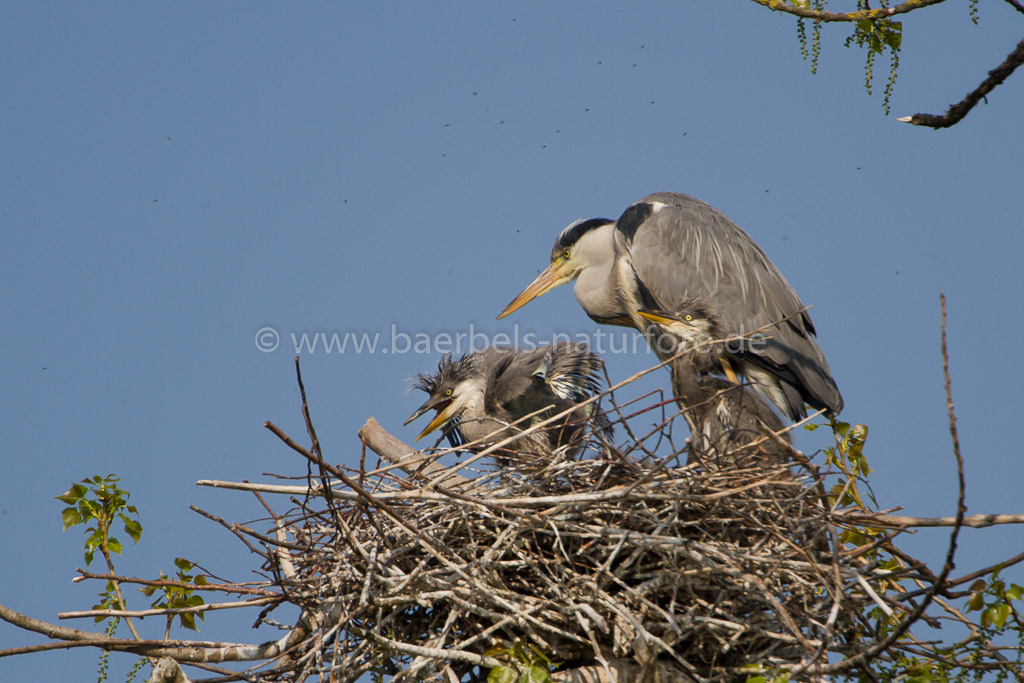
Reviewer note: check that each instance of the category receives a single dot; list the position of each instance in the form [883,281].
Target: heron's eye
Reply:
[565,254]
[447,392]
[688,317]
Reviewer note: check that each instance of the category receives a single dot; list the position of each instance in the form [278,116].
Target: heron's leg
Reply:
[729,372]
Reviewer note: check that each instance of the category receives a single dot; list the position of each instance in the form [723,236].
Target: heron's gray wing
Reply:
[572,371]
[510,386]
[679,248]
[518,386]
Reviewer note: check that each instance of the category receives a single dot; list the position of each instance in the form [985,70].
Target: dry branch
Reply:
[958,111]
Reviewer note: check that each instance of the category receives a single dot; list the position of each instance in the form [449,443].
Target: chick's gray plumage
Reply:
[723,417]
[493,388]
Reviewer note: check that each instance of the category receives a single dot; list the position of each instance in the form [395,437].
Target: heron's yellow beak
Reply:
[427,405]
[655,317]
[442,417]
[555,275]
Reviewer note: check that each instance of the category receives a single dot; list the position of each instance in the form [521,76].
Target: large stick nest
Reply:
[602,557]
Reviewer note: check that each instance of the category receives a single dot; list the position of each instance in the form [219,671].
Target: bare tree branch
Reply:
[180,650]
[959,110]
[166,583]
[977,521]
[1016,5]
[163,611]
[859,15]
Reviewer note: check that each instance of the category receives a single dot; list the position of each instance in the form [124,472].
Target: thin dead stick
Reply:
[242,529]
[979,521]
[211,607]
[221,587]
[617,493]
[987,570]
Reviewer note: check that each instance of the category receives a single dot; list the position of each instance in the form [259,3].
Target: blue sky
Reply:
[178,177]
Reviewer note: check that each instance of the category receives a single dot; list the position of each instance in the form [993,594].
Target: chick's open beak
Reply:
[442,417]
[556,274]
[427,405]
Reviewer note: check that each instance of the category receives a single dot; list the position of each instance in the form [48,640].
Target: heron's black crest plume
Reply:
[574,231]
[449,371]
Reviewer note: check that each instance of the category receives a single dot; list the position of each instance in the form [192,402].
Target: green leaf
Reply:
[200,580]
[70,517]
[1014,592]
[114,546]
[133,529]
[1001,614]
[188,620]
[535,675]
[842,428]
[183,564]
[976,602]
[757,679]
[894,36]
[811,427]
[501,674]
[73,494]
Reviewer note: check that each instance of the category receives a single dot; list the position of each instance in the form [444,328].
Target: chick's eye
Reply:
[689,317]
[447,392]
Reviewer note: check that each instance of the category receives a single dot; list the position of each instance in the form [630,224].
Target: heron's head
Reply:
[581,244]
[455,385]
[691,323]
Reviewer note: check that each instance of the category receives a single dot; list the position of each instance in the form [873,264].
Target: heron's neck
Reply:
[686,383]
[595,287]
[471,399]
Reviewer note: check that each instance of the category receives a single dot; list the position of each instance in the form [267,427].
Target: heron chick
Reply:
[724,417]
[479,396]
[691,325]
[668,248]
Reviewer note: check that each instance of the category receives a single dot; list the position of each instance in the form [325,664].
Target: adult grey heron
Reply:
[724,417]
[668,248]
[478,396]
